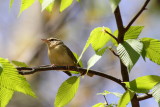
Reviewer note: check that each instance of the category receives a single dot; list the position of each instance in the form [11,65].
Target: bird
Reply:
[59,54]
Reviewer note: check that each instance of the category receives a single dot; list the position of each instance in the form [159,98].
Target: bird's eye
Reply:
[51,39]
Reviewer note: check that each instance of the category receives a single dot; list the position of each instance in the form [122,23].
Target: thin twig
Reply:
[113,52]
[105,100]
[111,35]
[29,70]
[138,14]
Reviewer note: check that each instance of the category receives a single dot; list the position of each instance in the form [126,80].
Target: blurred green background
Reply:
[20,39]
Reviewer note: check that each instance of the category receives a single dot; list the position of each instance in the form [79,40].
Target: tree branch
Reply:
[145,96]
[120,26]
[124,71]
[29,70]
[138,14]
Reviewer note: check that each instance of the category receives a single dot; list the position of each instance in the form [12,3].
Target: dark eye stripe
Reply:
[51,39]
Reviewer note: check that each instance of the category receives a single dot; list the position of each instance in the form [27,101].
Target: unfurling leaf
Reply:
[107,92]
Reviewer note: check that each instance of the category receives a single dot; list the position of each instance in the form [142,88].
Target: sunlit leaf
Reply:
[67,91]
[47,4]
[98,39]
[5,96]
[11,81]
[114,4]
[25,4]
[143,84]
[129,51]
[19,64]
[151,49]
[133,32]
[125,99]
[65,4]
[95,58]
[11,3]
[99,105]
[156,92]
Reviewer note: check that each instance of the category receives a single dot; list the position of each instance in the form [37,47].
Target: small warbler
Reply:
[59,54]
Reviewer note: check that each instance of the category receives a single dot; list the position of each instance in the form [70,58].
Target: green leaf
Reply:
[5,96]
[19,64]
[133,32]
[95,57]
[99,105]
[129,52]
[65,4]
[11,3]
[11,80]
[47,4]
[156,92]
[143,84]
[25,4]
[107,92]
[151,49]
[113,40]
[126,98]
[114,4]
[67,91]
[98,39]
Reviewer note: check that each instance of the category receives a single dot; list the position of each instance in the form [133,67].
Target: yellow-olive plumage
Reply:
[59,54]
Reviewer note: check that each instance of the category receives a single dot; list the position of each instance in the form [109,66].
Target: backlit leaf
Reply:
[151,49]
[114,4]
[67,91]
[129,51]
[143,84]
[11,81]
[98,39]
[65,4]
[126,98]
[25,4]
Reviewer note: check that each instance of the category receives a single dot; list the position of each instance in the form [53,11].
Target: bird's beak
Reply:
[45,40]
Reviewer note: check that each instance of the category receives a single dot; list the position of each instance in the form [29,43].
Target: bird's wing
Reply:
[71,55]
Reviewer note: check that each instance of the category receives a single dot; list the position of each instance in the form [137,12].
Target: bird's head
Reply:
[52,42]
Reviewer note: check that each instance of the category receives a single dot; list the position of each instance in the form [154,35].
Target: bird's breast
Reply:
[59,56]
